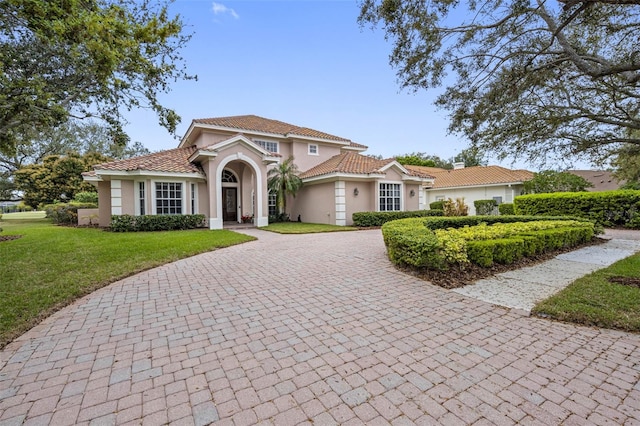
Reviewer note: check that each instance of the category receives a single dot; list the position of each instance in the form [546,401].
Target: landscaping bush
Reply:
[506,209]
[86,197]
[410,242]
[608,208]
[128,223]
[280,217]
[437,205]
[485,207]
[66,213]
[460,222]
[455,208]
[366,219]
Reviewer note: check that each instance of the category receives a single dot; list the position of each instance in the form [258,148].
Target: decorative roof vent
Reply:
[457,166]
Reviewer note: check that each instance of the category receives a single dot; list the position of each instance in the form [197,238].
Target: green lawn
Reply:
[594,300]
[50,266]
[23,215]
[305,228]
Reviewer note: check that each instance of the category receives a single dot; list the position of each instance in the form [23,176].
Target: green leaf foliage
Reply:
[66,213]
[85,58]
[283,180]
[552,181]
[608,208]
[543,81]
[437,205]
[147,223]
[366,219]
[485,207]
[506,209]
[411,243]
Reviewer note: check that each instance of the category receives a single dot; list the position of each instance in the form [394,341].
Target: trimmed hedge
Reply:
[128,223]
[462,221]
[609,208]
[485,207]
[366,219]
[411,243]
[437,205]
[66,213]
[506,209]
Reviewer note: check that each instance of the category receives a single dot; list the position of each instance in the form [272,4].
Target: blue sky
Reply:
[303,62]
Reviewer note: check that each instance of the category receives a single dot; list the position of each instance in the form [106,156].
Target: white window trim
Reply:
[309,149]
[195,207]
[136,186]
[257,142]
[401,194]
[154,207]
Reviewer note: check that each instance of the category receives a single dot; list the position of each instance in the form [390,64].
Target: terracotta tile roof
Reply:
[172,160]
[266,125]
[473,176]
[352,163]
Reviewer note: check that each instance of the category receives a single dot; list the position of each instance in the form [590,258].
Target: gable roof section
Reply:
[601,180]
[254,123]
[356,164]
[474,176]
[170,161]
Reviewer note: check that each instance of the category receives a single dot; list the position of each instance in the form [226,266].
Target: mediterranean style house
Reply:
[474,183]
[220,168]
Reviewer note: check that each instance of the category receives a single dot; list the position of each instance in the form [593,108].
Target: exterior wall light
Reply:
[412,193]
[355,192]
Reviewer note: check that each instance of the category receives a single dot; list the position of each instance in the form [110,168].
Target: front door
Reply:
[230,204]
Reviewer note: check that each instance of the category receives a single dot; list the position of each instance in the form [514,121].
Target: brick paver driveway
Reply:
[310,329]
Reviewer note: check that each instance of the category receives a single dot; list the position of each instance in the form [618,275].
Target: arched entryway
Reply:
[239,191]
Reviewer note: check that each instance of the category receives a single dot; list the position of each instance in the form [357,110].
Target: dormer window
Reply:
[270,146]
[313,149]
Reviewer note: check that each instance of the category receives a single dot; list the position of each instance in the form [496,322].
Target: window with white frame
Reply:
[194,207]
[141,199]
[273,203]
[313,149]
[439,197]
[168,198]
[270,146]
[498,200]
[389,197]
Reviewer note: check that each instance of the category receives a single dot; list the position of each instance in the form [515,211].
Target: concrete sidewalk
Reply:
[524,288]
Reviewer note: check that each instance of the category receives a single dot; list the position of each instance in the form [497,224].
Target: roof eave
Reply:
[478,185]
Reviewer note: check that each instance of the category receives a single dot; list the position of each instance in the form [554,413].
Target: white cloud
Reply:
[219,8]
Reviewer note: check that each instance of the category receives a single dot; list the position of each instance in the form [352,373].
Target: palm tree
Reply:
[283,180]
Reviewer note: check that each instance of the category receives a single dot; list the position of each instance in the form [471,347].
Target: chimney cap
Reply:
[458,165]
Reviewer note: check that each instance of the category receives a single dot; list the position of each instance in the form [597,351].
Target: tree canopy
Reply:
[552,181]
[57,178]
[541,80]
[470,157]
[85,58]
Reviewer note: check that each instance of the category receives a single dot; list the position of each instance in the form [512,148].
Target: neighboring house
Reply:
[220,168]
[601,180]
[474,183]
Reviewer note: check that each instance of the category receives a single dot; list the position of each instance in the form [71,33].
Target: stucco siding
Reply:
[472,194]
[314,204]
[128,198]
[209,138]
[305,161]
[411,202]
[365,201]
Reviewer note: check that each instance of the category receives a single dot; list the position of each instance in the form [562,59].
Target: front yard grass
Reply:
[50,266]
[595,300]
[305,228]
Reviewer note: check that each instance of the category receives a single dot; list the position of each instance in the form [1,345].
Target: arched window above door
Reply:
[229,177]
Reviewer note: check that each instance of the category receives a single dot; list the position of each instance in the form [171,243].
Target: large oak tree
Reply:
[537,79]
[85,58]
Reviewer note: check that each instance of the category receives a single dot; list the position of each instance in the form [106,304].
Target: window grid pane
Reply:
[389,197]
[168,198]
[141,196]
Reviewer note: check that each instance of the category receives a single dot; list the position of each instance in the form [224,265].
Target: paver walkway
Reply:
[310,329]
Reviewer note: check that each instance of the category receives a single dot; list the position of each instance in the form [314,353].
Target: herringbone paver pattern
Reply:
[311,329]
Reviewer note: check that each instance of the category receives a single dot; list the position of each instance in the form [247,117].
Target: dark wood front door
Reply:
[230,204]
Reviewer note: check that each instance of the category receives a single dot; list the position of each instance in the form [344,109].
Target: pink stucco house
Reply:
[220,167]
